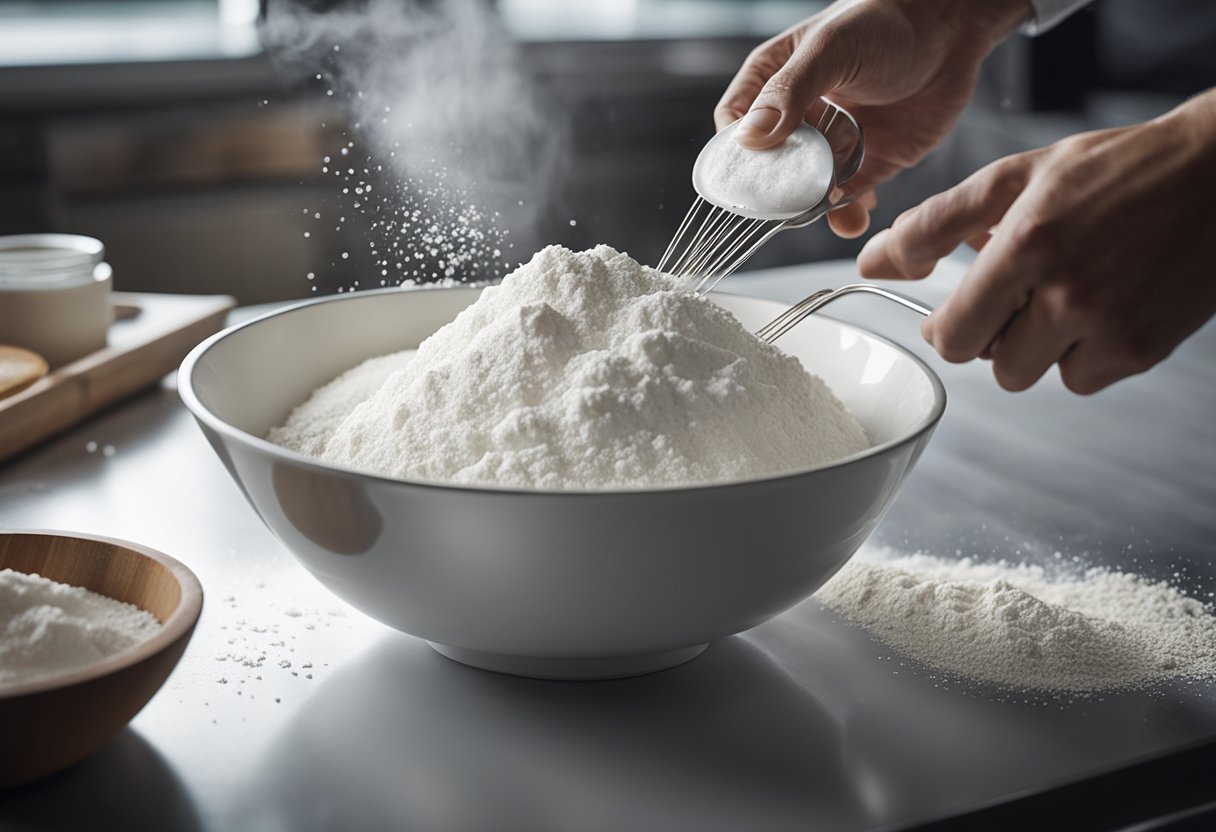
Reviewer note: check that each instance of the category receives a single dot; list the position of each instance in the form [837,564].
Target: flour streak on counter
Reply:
[1021,628]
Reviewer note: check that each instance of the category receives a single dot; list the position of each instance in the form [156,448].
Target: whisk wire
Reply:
[713,241]
[703,238]
[728,250]
[710,281]
[675,240]
[804,308]
[716,229]
[720,240]
[830,114]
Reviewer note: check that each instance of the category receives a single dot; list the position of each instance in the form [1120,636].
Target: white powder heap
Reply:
[784,180]
[582,371]
[313,423]
[1013,625]
[47,627]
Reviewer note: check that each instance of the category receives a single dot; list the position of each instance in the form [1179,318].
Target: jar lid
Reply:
[36,259]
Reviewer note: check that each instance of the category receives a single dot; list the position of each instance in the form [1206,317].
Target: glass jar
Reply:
[54,295]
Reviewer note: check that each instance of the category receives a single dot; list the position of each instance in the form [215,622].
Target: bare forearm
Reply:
[1195,123]
[969,24]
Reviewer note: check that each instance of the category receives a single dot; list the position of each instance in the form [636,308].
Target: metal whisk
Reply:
[714,239]
[806,307]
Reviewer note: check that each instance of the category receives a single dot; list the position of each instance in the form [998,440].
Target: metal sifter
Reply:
[718,235]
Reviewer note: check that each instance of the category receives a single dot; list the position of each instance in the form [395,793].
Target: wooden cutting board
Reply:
[150,336]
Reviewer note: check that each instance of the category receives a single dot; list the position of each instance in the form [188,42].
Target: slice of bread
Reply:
[19,368]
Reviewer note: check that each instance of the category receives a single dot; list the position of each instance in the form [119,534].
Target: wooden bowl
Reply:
[55,721]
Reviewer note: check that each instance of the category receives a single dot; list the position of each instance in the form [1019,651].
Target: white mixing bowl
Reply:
[557,585]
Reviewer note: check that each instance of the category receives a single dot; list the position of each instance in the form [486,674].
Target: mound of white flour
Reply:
[1014,625]
[47,627]
[581,371]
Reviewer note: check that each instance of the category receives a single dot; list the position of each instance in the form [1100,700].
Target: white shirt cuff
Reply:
[1047,13]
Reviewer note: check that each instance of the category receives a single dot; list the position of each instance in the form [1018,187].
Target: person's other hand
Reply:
[1097,253]
[904,70]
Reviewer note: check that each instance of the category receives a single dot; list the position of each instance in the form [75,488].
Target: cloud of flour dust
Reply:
[438,96]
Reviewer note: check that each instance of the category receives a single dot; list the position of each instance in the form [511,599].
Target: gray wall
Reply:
[203,188]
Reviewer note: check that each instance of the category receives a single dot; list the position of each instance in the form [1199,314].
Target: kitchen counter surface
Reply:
[291,710]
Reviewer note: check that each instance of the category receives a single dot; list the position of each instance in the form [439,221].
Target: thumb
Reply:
[815,68]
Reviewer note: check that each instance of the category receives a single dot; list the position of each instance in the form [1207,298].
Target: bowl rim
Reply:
[179,623]
[204,415]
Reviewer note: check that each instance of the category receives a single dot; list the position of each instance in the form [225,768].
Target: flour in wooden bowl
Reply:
[47,627]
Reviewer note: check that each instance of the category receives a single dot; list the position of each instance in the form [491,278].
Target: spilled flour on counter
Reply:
[581,371]
[47,627]
[1013,625]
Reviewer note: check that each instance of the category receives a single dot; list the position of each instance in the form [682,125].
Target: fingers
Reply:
[980,240]
[852,220]
[1001,214]
[1048,330]
[759,128]
[1106,355]
[1087,368]
[816,67]
[739,95]
[757,69]
[1084,372]
[729,110]
[923,235]
[995,288]
[1036,338]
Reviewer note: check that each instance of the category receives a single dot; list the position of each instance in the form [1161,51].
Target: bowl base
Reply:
[611,667]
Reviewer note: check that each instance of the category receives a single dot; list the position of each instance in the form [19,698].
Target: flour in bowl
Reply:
[47,627]
[581,371]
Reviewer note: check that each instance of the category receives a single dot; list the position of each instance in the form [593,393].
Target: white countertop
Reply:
[291,710]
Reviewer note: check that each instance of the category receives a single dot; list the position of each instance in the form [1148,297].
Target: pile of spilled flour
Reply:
[47,627]
[1018,627]
[581,371]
